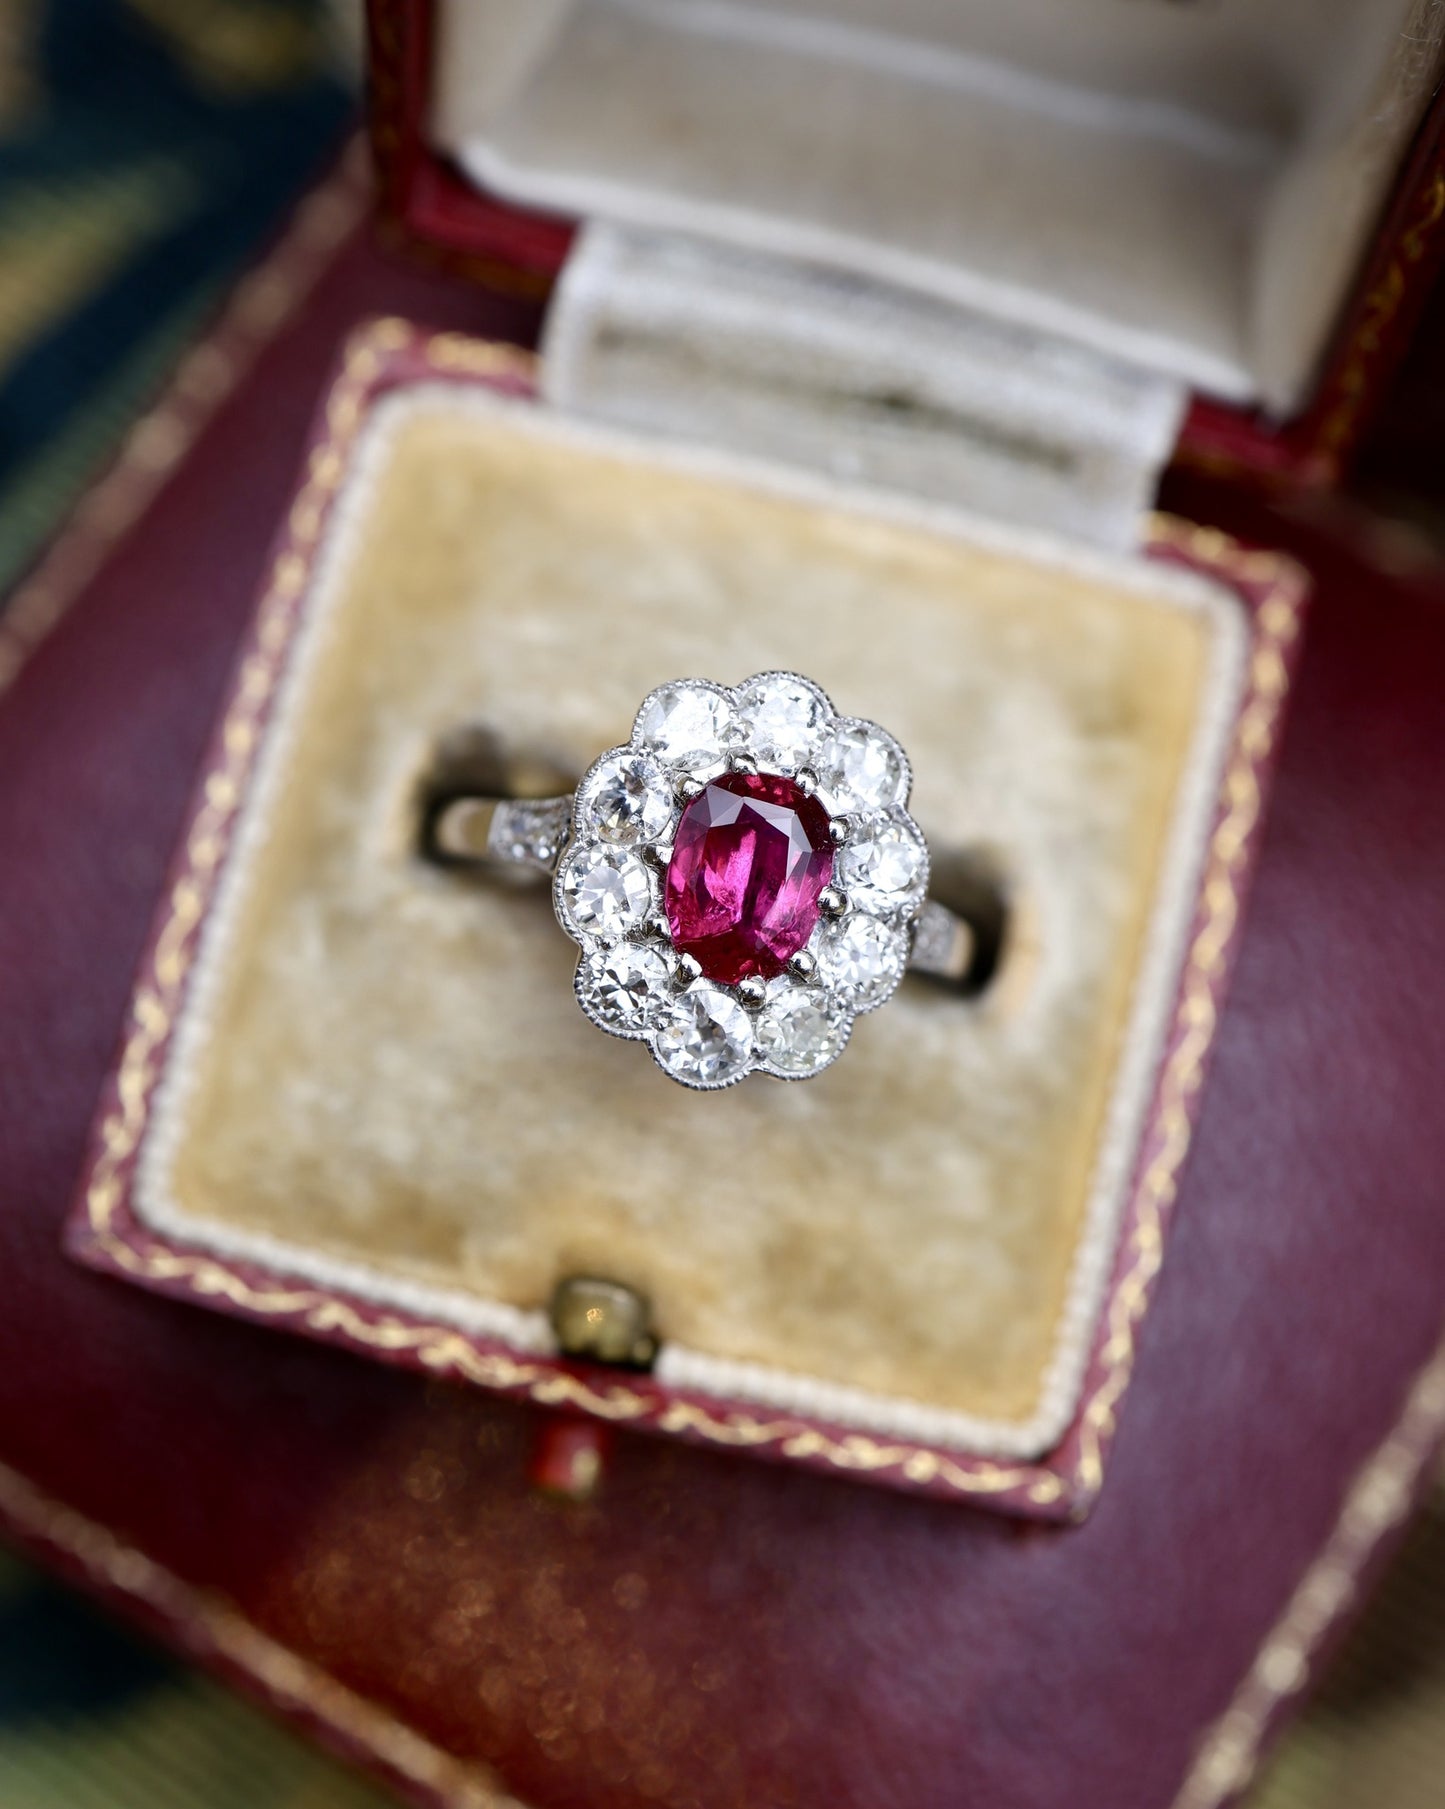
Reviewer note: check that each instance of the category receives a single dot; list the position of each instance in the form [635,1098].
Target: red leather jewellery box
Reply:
[772,424]
[990,1373]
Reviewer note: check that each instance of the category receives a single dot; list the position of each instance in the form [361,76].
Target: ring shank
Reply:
[943,944]
[525,833]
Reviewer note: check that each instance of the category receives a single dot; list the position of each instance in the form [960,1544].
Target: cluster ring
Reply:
[742,877]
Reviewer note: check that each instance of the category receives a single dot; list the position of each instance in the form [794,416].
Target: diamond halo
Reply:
[742,878]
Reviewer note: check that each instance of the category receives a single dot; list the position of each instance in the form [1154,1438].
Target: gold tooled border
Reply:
[261,305]
[1353,386]
[1282,590]
[1063,1484]
[219,1636]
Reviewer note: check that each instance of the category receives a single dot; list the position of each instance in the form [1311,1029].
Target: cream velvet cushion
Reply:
[1186,188]
[383,1079]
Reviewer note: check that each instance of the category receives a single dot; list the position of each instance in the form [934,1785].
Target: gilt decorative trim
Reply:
[1355,382]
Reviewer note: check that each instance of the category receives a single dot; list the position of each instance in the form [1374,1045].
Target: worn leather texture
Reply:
[711,1631]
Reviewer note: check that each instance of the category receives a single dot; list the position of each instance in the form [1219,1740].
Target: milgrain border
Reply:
[260,307]
[212,1631]
[106,1232]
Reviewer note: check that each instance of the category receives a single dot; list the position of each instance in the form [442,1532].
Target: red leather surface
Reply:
[711,1631]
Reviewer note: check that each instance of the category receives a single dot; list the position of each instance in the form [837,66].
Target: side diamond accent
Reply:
[528,832]
[942,943]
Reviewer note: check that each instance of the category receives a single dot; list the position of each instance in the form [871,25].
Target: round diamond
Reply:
[862,957]
[622,987]
[605,893]
[862,768]
[883,866]
[627,798]
[685,724]
[798,1032]
[782,718]
[704,1037]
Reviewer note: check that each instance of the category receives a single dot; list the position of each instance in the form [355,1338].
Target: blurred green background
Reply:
[147,149]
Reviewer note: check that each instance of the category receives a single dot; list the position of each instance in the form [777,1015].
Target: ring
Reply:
[743,878]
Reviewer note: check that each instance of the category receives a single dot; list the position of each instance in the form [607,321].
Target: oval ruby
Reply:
[751,856]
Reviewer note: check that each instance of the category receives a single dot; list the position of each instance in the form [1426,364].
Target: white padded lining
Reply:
[155,1198]
[1185,187]
[673,335]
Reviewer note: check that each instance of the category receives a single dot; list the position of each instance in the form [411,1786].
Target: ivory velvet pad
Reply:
[387,1069]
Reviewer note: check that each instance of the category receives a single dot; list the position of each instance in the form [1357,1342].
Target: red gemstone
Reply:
[750,857]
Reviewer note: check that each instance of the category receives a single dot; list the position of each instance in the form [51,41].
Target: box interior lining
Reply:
[1189,188]
[381,1080]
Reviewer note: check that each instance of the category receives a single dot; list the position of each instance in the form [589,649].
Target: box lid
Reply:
[1262,219]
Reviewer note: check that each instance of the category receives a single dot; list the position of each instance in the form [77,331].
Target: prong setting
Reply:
[832,901]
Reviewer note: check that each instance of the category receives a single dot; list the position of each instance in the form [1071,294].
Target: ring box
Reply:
[763,398]
[600,420]
[928,1274]
[933,1274]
